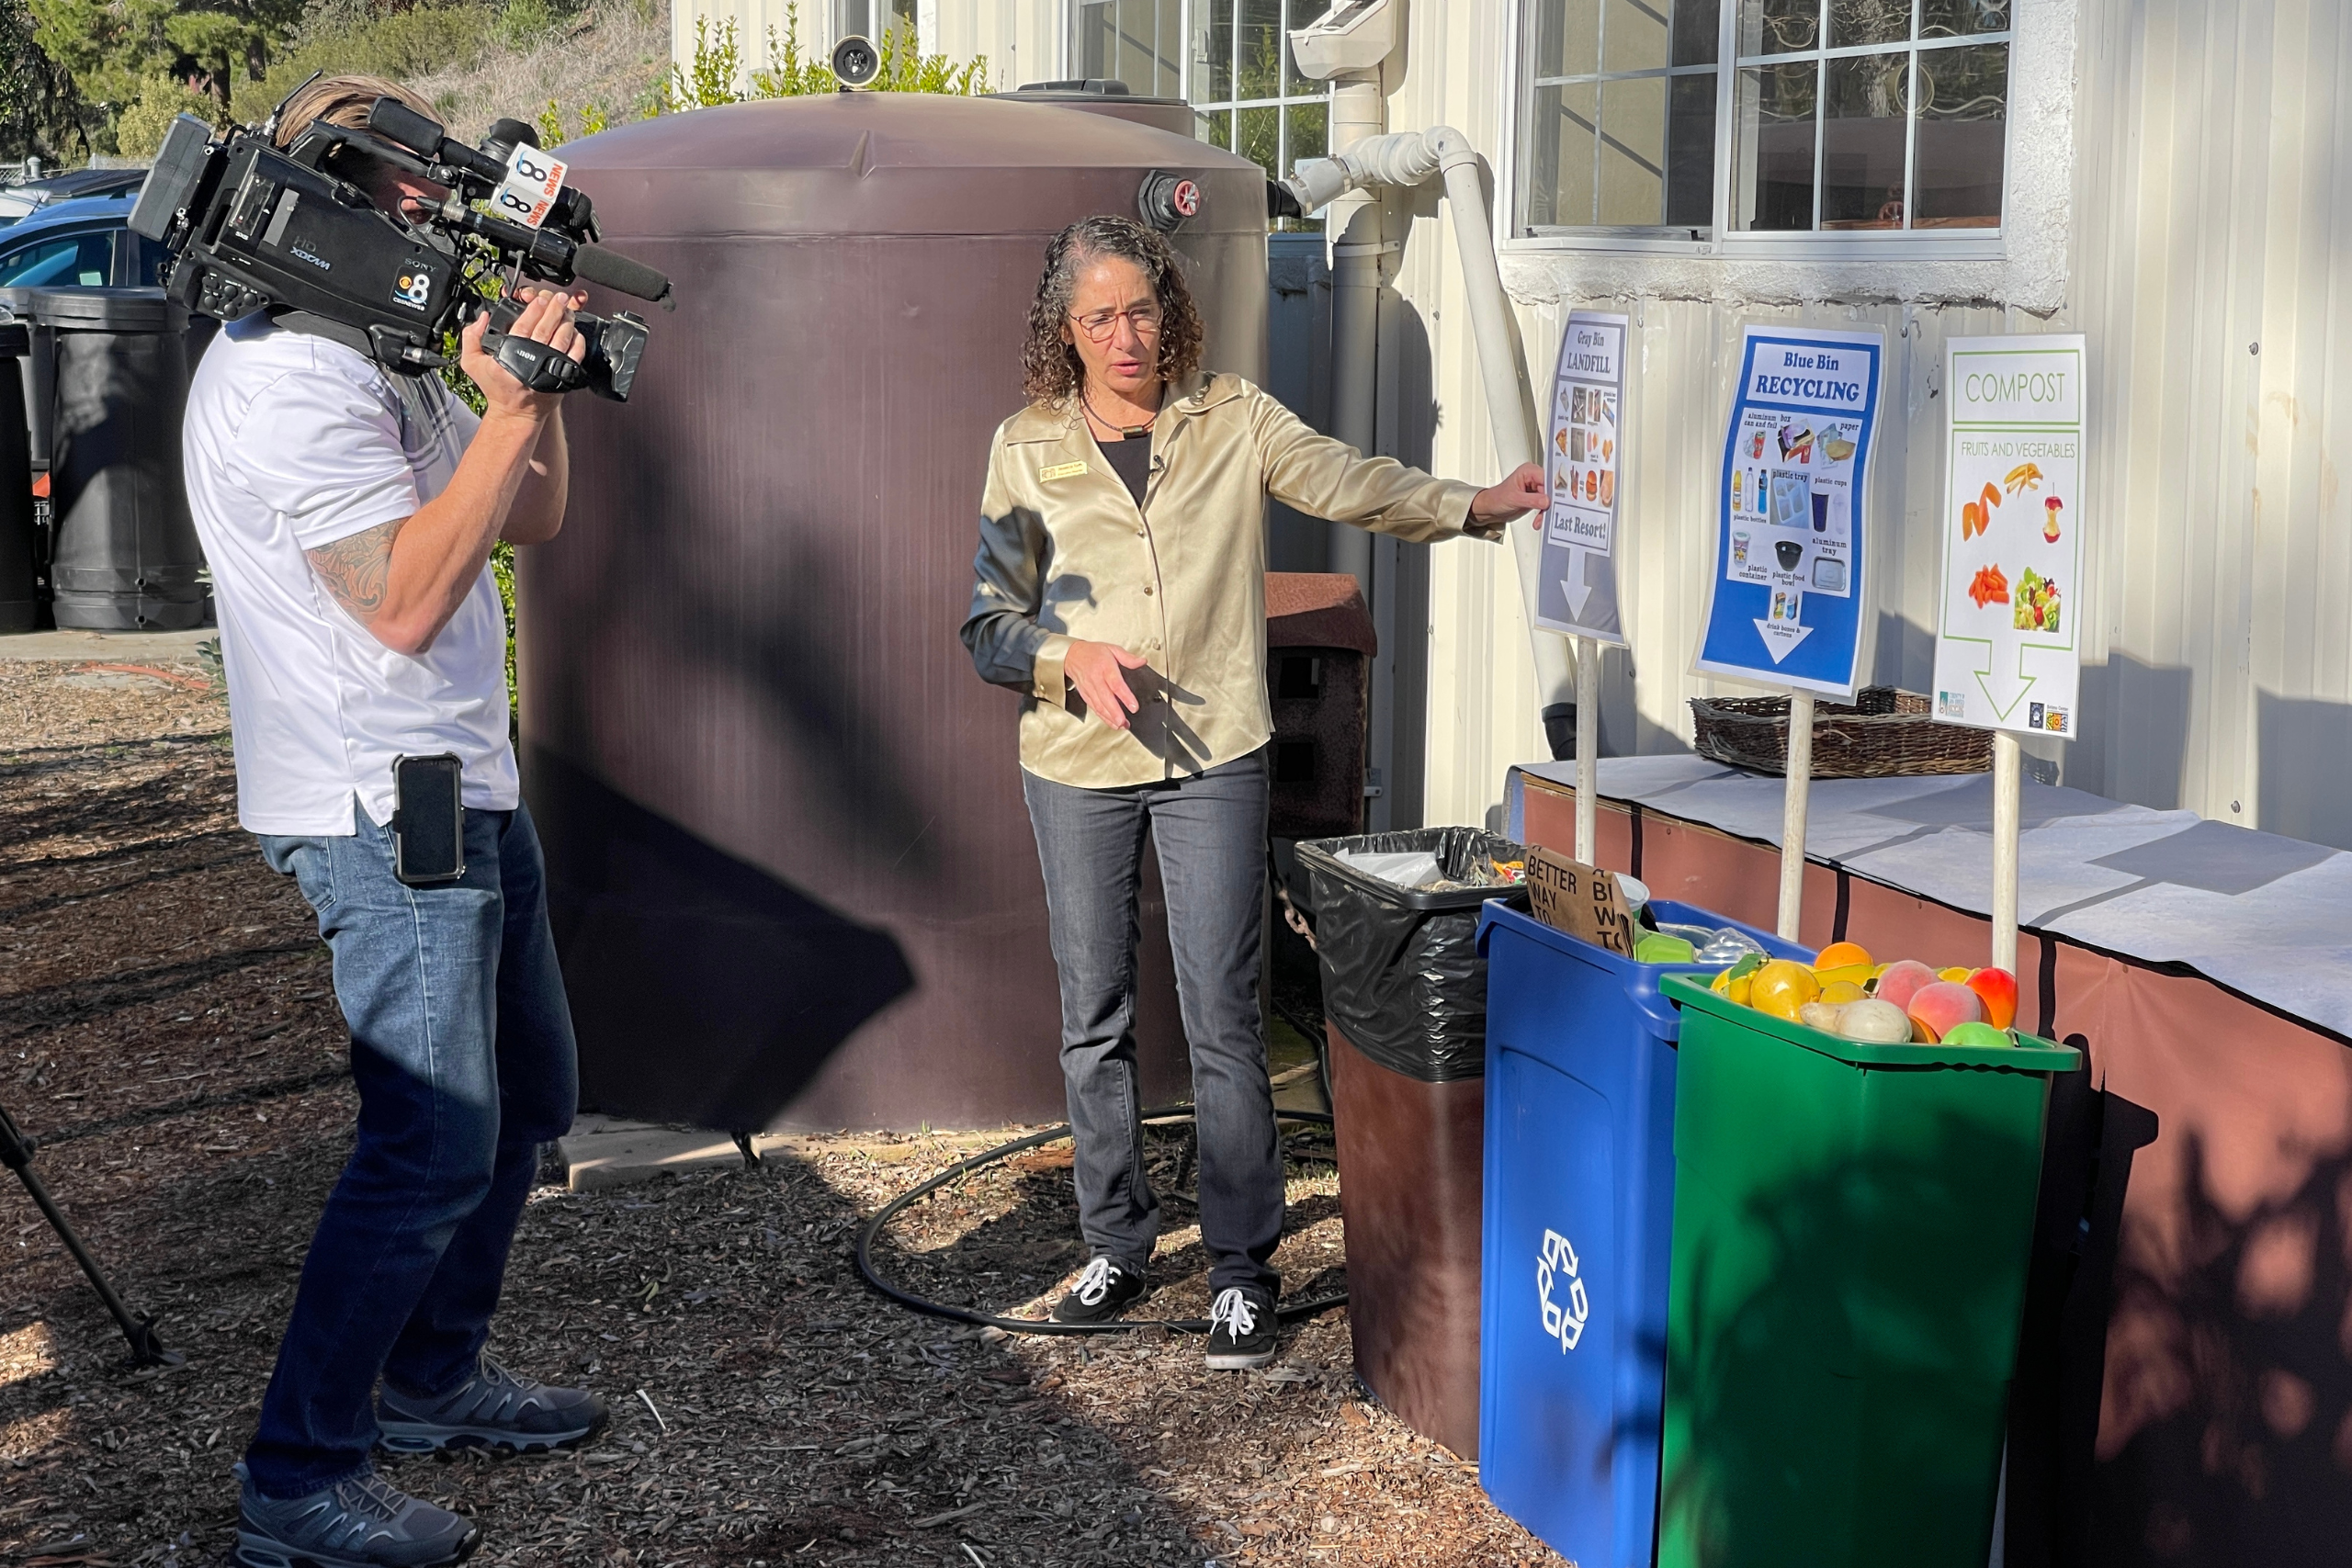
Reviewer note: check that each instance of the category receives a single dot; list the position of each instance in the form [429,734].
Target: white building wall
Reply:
[2181,191]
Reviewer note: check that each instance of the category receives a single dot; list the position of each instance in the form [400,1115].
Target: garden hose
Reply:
[1290,1311]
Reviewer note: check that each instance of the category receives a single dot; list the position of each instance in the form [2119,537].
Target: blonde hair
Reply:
[343,101]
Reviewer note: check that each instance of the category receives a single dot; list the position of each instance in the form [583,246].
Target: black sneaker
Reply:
[495,1409]
[364,1522]
[1105,1288]
[1242,1330]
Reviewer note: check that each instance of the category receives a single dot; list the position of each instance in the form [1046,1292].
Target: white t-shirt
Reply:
[291,443]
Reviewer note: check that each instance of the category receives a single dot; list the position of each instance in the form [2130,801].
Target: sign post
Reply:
[1786,601]
[1577,590]
[2008,656]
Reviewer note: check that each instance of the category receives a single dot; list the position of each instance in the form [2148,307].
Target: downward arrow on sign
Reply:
[1780,638]
[2003,688]
[1575,585]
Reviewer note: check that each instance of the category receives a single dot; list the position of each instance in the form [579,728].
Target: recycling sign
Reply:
[2008,644]
[1559,1291]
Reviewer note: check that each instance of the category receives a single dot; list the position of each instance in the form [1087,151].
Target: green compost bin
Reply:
[1851,1224]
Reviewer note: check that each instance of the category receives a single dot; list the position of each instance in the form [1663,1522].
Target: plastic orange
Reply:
[1782,986]
[1841,955]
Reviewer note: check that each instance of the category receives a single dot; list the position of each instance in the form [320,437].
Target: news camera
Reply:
[250,227]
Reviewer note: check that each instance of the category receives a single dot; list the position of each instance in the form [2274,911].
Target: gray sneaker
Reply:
[495,1409]
[364,1522]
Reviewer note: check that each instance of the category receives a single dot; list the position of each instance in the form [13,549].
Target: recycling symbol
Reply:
[1563,1320]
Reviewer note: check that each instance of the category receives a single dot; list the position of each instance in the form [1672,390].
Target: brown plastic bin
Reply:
[1411,1163]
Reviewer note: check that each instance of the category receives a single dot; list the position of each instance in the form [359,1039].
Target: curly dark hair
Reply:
[1051,370]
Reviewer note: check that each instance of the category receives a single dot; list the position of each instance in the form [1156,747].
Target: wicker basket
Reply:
[1883,734]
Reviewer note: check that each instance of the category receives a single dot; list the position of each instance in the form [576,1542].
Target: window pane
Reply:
[1170,34]
[1212,52]
[1097,43]
[1690,153]
[1853,23]
[1568,38]
[1216,128]
[1307,133]
[1779,27]
[1698,26]
[1262,45]
[1559,156]
[1959,19]
[1258,136]
[1633,36]
[1632,152]
[1138,62]
[1295,83]
[1775,152]
[1964,123]
[1861,142]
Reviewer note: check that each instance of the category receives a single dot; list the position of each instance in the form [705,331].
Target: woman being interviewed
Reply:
[1121,589]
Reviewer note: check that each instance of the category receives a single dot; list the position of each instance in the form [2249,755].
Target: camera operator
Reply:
[348,514]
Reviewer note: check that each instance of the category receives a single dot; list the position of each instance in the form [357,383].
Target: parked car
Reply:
[20,201]
[82,244]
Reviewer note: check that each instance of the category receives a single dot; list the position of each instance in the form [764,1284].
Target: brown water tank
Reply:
[790,872]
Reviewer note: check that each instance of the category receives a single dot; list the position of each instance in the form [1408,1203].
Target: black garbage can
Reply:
[1405,1010]
[20,551]
[124,552]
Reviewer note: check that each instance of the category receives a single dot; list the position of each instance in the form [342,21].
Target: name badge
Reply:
[1062,470]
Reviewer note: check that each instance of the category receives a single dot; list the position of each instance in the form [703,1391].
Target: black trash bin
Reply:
[1405,1010]
[20,552]
[124,552]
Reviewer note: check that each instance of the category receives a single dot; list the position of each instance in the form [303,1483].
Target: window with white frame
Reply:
[871,18]
[1230,58]
[1687,117]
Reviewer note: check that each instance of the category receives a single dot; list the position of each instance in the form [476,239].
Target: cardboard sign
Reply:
[1578,592]
[2008,656]
[1571,896]
[1792,581]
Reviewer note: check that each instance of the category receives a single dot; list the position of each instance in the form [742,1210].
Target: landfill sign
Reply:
[2006,653]
[1576,588]
[1786,601]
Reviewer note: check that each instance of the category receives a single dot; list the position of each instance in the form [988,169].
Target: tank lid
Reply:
[108,310]
[1087,86]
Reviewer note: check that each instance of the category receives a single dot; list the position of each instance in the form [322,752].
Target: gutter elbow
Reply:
[1448,147]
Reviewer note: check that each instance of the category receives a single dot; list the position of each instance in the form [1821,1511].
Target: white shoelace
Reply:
[1093,1282]
[1235,1310]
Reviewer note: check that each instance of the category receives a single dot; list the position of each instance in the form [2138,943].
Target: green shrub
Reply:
[138,130]
[431,36]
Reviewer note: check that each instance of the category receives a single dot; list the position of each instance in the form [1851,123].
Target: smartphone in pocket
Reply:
[428,819]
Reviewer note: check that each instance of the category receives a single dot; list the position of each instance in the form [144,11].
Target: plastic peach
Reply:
[1841,955]
[1978,1035]
[1836,993]
[1898,982]
[1997,989]
[1780,988]
[1943,1007]
[1874,1023]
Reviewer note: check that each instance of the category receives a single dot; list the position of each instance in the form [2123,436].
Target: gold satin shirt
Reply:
[1064,553]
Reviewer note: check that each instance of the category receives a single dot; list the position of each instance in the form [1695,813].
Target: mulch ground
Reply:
[168,1032]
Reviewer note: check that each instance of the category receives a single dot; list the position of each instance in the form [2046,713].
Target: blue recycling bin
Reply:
[1578,1215]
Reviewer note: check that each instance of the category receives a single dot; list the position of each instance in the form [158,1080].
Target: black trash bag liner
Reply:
[1402,978]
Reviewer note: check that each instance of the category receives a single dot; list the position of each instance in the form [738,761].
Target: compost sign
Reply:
[1576,587]
[2006,653]
[1786,600]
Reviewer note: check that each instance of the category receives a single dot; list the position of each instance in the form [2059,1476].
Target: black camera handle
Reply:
[535,364]
[146,1347]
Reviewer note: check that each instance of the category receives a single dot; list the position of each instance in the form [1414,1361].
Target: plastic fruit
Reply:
[1855,974]
[1837,993]
[1874,1023]
[1780,988]
[1957,973]
[1823,1016]
[1943,1007]
[1997,989]
[1839,955]
[1897,983]
[1733,986]
[1978,1035]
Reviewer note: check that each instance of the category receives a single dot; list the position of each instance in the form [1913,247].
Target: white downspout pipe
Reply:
[1357,241]
[1410,158]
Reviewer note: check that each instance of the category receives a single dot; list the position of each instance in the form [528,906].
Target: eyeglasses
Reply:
[1099,325]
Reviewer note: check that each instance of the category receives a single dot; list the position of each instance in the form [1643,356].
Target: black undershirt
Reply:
[1131,460]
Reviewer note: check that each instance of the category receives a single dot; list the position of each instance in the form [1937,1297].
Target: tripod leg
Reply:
[146,1347]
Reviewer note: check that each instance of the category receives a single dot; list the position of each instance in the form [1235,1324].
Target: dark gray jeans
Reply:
[1210,832]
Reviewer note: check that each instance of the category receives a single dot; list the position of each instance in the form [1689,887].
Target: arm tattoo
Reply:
[357,569]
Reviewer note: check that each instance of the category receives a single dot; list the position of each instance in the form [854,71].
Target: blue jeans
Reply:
[461,1050]
[1210,831]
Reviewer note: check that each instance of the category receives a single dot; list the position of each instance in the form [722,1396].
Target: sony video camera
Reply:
[250,227]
